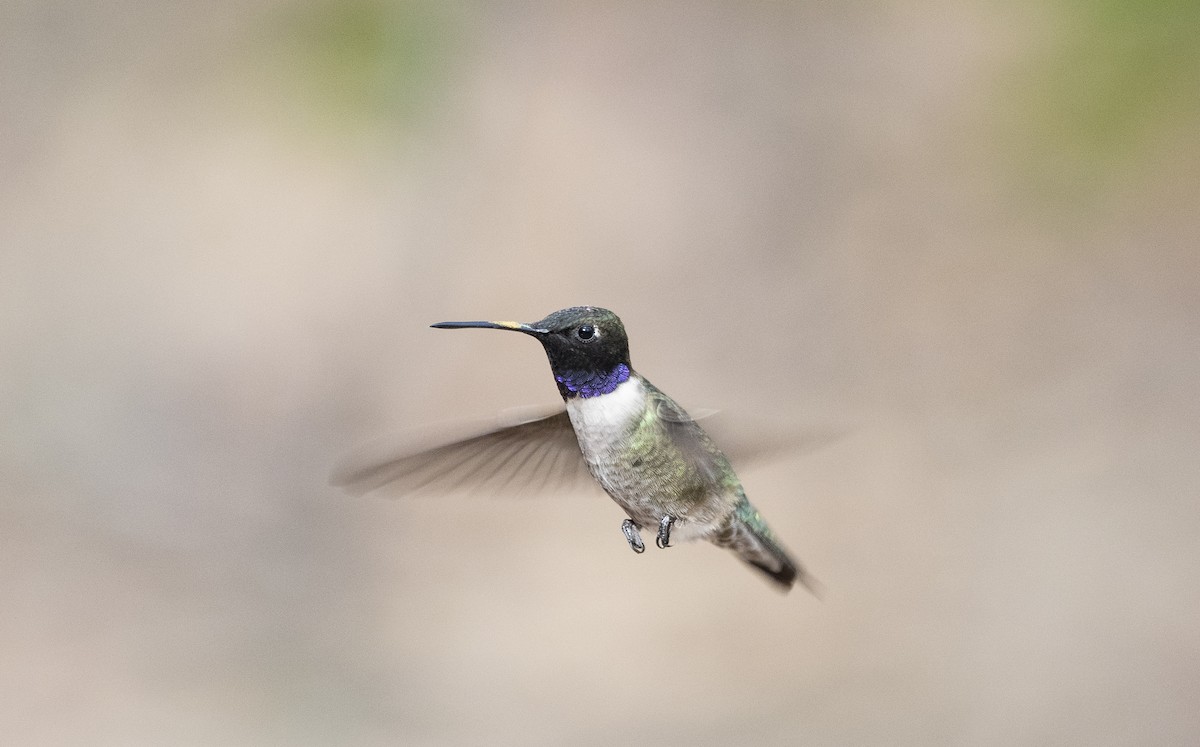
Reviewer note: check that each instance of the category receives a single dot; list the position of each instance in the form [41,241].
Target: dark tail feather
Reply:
[750,537]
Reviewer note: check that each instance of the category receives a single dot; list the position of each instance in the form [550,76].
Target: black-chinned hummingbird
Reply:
[647,453]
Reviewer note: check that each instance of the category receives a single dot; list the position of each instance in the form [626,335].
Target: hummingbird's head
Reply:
[586,345]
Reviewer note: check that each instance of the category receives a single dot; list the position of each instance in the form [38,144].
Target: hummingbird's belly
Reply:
[638,467]
[696,511]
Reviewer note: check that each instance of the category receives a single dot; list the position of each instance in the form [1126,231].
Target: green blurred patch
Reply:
[361,63]
[1117,77]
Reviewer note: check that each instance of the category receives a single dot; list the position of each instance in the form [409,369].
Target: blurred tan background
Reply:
[964,234]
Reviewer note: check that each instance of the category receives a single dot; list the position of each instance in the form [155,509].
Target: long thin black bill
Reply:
[515,326]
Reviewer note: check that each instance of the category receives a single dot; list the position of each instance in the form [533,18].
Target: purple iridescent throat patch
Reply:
[587,384]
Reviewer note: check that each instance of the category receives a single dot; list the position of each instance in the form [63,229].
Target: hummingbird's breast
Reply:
[631,455]
[605,424]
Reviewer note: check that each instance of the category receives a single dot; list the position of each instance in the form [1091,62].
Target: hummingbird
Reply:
[653,459]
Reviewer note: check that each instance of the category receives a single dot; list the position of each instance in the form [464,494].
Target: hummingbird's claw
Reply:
[632,536]
[664,532]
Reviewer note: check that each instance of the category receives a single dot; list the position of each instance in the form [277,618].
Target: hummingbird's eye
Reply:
[586,332]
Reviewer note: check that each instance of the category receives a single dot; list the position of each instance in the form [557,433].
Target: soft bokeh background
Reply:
[965,234]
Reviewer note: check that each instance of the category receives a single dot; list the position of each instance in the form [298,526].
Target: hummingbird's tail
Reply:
[748,535]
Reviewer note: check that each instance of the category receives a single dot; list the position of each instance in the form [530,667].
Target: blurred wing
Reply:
[685,433]
[753,441]
[521,452]
[744,441]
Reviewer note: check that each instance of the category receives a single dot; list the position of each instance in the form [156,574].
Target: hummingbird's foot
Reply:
[632,536]
[664,532]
